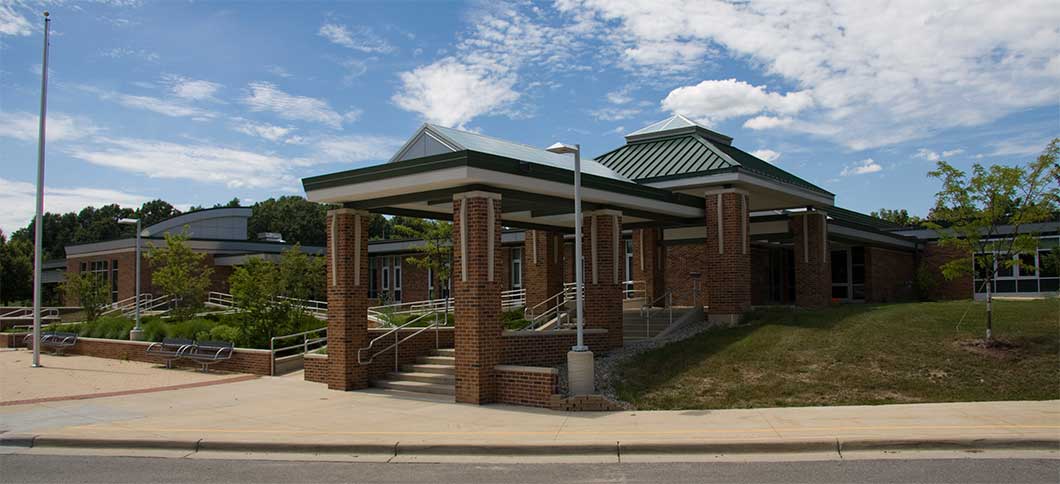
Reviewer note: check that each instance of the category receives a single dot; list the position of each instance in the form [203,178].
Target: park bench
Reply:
[57,341]
[170,349]
[209,352]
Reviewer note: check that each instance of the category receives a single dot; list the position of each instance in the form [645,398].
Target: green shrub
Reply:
[223,332]
[197,329]
[154,329]
[109,328]
[512,314]
[516,324]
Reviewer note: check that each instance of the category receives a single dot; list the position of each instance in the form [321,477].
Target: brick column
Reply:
[603,254]
[347,283]
[477,284]
[542,265]
[813,271]
[647,260]
[727,276]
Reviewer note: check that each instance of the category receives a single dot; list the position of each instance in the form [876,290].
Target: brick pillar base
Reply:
[542,265]
[477,285]
[813,271]
[603,252]
[727,282]
[347,283]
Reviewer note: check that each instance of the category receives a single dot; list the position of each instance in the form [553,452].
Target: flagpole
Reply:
[38,233]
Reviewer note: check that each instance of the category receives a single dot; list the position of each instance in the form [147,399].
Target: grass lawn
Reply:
[855,355]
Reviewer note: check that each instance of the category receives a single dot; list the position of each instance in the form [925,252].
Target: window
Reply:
[517,268]
[386,274]
[1028,265]
[629,264]
[373,276]
[430,282]
[114,280]
[840,275]
[397,279]
[1036,272]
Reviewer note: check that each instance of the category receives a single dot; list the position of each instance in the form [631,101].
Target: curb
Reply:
[617,448]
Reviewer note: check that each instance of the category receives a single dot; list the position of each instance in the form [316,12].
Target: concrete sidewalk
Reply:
[287,414]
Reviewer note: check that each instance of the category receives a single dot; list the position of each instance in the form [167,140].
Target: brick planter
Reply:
[243,360]
[12,340]
[526,385]
[316,368]
[547,348]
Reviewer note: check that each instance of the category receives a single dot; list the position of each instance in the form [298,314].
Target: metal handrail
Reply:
[306,341]
[396,345]
[560,299]
[630,291]
[646,310]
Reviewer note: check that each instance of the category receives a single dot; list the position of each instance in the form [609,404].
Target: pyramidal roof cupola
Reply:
[676,125]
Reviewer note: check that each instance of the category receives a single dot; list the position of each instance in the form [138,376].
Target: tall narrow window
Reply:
[517,268]
[397,279]
[373,276]
[114,280]
[430,283]
[386,276]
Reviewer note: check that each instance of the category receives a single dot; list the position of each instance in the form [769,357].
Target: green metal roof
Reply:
[686,152]
[851,216]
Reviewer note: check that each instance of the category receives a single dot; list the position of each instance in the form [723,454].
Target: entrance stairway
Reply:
[635,327]
[434,374]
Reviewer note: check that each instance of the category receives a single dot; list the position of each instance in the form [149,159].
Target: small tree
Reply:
[436,253]
[181,273]
[970,212]
[255,286]
[90,292]
[302,276]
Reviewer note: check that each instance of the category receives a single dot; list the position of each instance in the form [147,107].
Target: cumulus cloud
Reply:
[862,167]
[767,122]
[25,126]
[955,64]
[358,38]
[452,93]
[19,201]
[265,96]
[766,154]
[717,100]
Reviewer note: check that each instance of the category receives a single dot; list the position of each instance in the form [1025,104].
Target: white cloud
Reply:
[358,38]
[355,148]
[452,93]
[862,167]
[955,63]
[766,154]
[509,48]
[615,113]
[191,89]
[717,100]
[19,201]
[12,22]
[265,96]
[122,52]
[766,122]
[25,126]
[166,107]
[279,71]
[262,130]
[929,155]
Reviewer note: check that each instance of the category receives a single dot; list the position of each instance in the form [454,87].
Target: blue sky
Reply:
[199,102]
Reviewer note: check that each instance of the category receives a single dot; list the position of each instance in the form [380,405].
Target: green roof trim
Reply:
[686,154]
[859,218]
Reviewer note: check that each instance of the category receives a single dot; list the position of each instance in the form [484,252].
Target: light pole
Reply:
[137,333]
[38,228]
[579,359]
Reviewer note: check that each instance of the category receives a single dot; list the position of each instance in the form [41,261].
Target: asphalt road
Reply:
[39,468]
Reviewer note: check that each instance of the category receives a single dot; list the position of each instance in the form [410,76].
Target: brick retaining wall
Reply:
[547,348]
[243,360]
[526,385]
[316,368]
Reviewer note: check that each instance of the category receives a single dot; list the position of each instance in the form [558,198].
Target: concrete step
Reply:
[430,368]
[417,387]
[437,360]
[439,378]
[444,352]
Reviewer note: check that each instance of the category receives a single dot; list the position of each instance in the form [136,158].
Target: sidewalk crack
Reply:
[838,448]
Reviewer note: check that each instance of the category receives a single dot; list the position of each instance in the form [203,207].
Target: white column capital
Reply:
[476,194]
[348,211]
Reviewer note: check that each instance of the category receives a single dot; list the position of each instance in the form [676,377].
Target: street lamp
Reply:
[137,332]
[579,358]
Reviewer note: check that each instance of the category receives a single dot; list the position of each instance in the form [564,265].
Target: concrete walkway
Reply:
[289,412]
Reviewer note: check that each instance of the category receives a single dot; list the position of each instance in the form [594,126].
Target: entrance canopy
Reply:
[536,186]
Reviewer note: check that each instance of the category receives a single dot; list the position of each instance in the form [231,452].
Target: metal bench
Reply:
[57,341]
[209,352]
[170,349]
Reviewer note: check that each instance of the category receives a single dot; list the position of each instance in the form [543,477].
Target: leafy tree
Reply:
[156,211]
[378,227]
[897,216]
[436,253]
[16,269]
[970,211]
[297,219]
[255,287]
[180,272]
[302,276]
[89,290]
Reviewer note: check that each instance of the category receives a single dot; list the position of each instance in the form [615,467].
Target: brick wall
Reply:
[680,260]
[347,289]
[603,275]
[889,275]
[12,340]
[568,262]
[526,385]
[413,281]
[813,270]
[542,265]
[932,259]
[759,275]
[243,360]
[126,272]
[728,255]
[546,348]
[316,368]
